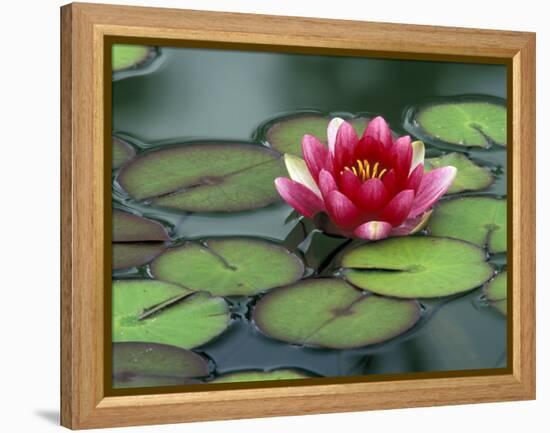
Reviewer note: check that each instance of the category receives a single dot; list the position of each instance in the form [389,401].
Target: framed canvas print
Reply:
[271,216]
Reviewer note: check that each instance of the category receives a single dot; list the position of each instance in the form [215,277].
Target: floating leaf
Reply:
[205,177]
[128,56]
[128,255]
[233,266]
[147,364]
[122,152]
[480,220]
[496,292]
[132,228]
[468,123]
[416,267]
[158,312]
[257,376]
[285,135]
[469,176]
[331,313]
[501,306]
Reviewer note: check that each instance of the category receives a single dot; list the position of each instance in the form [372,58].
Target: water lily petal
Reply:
[415,178]
[349,184]
[299,197]
[372,195]
[297,170]
[412,225]
[418,154]
[380,131]
[403,152]
[390,182]
[315,155]
[346,142]
[327,184]
[373,230]
[396,211]
[342,211]
[332,131]
[434,184]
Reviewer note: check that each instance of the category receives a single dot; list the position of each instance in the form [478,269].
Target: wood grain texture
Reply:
[84,206]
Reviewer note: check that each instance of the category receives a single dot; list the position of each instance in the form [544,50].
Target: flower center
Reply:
[365,171]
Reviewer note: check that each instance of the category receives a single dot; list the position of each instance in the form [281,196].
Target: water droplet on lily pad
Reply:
[232,266]
[496,292]
[258,375]
[158,312]
[129,56]
[469,176]
[330,313]
[480,220]
[476,123]
[285,134]
[122,152]
[416,267]
[138,364]
[205,177]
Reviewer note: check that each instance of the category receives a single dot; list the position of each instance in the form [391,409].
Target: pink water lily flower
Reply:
[370,187]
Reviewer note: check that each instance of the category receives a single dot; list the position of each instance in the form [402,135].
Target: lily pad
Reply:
[232,266]
[496,292]
[128,56]
[158,312]
[466,123]
[205,177]
[147,364]
[501,306]
[260,376]
[122,152]
[416,267]
[330,313]
[285,135]
[132,228]
[133,254]
[480,220]
[469,176]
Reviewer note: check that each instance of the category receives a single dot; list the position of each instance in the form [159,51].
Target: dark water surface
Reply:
[210,94]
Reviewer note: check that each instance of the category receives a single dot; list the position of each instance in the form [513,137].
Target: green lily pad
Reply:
[285,135]
[205,177]
[158,312]
[260,376]
[233,266]
[132,228]
[416,267]
[501,306]
[122,152]
[469,123]
[496,292]
[469,176]
[128,56]
[479,220]
[330,313]
[147,364]
[133,254]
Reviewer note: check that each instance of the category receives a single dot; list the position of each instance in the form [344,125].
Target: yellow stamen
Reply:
[367,170]
[375,170]
[361,170]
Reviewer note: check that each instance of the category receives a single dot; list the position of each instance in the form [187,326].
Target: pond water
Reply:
[199,94]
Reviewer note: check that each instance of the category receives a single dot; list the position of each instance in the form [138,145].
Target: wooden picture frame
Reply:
[85,225]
